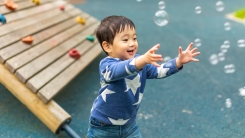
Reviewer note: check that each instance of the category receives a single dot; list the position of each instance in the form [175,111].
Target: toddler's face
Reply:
[125,44]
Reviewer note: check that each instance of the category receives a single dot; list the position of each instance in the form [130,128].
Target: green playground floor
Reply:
[190,104]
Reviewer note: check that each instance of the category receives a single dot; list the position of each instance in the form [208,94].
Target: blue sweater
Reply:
[122,87]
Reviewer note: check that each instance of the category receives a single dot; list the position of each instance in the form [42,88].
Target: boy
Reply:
[123,75]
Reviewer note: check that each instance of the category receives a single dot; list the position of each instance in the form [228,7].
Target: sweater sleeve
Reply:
[112,69]
[165,70]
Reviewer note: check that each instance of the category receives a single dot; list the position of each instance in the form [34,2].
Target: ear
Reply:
[106,46]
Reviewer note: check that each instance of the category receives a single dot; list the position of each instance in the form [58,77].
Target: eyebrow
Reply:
[128,34]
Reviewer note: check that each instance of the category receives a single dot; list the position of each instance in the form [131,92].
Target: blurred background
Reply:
[204,100]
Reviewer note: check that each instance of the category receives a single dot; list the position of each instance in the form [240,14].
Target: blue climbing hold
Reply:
[2,19]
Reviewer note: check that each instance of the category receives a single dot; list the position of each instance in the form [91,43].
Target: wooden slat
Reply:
[21,5]
[51,114]
[13,26]
[30,54]
[43,77]
[33,67]
[2,1]
[18,47]
[31,11]
[60,81]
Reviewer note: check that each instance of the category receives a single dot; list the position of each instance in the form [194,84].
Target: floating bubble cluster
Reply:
[161,18]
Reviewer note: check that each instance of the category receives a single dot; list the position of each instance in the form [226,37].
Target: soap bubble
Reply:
[223,48]
[213,59]
[220,6]
[161,5]
[227,43]
[228,103]
[241,43]
[161,18]
[138,0]
[242,91]
[230,68]
[221,56]
[166,59]
[197,42]
[198,10]
[227,26]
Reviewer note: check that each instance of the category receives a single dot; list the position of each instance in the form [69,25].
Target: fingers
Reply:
[195,54]
[155,64]
[156,58]
[180,49]
[190,46]
[194,50]
[195,60]
[154,48]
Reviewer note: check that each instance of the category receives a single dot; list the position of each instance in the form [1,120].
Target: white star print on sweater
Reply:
[122,87]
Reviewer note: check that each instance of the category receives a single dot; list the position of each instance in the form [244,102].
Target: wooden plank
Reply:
[2,1]
[51,114]
[21,5]
[59,82]
[31,11]
[13,26]
[32,53]
[18,47]
[14,36]
[43,77]
[35,66]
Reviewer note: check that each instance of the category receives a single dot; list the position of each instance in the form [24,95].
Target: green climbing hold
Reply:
[90,38]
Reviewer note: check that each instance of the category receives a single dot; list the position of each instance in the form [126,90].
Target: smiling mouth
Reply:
[130,52]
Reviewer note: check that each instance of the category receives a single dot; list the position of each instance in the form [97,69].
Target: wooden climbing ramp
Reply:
[43,46]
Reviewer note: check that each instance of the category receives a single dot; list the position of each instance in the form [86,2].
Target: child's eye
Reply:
[125,39]
[135,38]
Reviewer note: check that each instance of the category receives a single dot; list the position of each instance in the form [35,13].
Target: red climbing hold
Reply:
[62,7]
[74,54]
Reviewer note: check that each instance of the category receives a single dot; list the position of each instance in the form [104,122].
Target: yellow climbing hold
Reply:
[36,1]
[80,20]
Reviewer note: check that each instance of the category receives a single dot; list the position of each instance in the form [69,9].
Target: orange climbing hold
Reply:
[10,4]
[28,39]
[80,20]
[74,53]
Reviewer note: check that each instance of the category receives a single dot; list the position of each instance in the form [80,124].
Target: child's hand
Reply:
[151,58]
[187,55]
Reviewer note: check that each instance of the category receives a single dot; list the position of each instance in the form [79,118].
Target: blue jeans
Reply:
[98,129]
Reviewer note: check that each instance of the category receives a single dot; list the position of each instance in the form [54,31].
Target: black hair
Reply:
[110,26]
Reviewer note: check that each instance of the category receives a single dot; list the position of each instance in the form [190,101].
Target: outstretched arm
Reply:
[187,55]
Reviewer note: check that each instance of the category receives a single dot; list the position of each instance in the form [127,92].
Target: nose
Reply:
[132,43]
